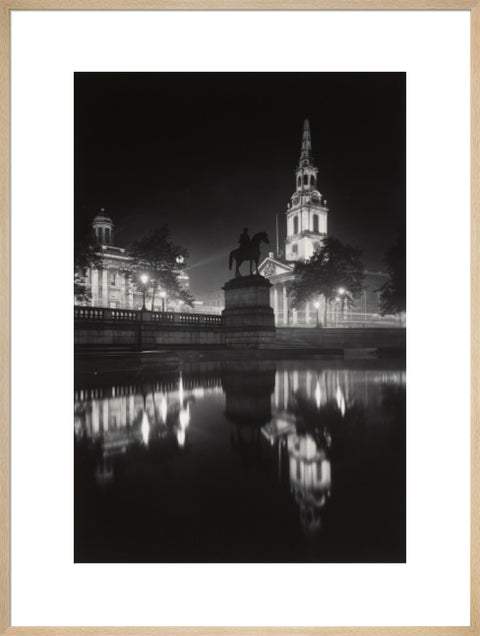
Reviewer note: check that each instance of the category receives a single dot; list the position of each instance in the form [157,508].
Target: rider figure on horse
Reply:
[249,250]
[244,241]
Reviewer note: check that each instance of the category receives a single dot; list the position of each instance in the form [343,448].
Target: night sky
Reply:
[210,153]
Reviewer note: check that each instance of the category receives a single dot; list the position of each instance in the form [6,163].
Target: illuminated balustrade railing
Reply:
[98,314]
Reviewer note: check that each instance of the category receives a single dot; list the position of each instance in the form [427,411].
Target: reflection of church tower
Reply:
[307,211]
[310,478]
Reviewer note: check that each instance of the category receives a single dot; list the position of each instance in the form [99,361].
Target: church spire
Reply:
[306,154]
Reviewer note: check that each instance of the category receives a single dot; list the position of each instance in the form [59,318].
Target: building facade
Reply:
[111,284]
[307,226]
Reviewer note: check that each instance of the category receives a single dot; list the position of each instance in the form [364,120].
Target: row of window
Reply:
[104,235]
[308,179]
[315,224]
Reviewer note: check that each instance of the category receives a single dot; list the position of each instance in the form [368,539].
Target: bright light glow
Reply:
[184,417]
[318,395]
[341,291]
[163,294]
[145,428]
[163,409]
[340,400]
[181,438]
[317,305]
[144,278]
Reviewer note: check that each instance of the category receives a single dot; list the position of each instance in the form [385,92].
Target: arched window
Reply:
[295,224]
[305,179]
[313,179]
[107,236]
[299,181]
[315,222]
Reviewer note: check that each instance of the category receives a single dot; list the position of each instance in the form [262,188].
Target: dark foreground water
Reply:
[242,461]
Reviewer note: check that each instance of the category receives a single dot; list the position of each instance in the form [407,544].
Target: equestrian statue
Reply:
[249,250]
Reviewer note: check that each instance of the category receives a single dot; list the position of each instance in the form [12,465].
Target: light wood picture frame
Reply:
[6,7]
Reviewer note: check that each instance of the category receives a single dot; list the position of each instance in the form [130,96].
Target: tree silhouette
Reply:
[393,293]
[333,266]
[86,256]
[163,261]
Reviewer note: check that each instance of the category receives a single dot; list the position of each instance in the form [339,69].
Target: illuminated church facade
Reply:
[307,226]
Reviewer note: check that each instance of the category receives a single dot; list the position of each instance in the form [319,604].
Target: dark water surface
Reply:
[242,461]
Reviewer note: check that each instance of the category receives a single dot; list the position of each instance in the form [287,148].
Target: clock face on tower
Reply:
[296,200]
[315,198]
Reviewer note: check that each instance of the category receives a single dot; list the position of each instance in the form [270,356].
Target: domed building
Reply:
[110,285]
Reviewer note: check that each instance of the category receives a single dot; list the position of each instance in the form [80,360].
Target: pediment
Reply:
[271,267]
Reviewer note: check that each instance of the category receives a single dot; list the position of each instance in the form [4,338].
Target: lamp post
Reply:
[162,296]
[317,307]
[144,280]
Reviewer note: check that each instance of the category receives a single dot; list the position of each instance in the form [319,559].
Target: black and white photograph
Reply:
[240,317]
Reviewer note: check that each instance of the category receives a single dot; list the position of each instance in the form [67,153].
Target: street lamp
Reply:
[162,296]
[144,280]
[317,307]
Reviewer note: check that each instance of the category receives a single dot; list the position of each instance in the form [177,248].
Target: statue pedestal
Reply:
[248,320]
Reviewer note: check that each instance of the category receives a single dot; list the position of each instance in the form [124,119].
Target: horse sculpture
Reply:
[250,253]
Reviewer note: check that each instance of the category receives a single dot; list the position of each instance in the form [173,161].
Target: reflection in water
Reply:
[310,434]
[116,418]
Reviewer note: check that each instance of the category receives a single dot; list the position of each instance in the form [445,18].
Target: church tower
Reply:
[307,211]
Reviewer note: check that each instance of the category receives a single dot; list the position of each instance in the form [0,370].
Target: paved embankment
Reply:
[331,339]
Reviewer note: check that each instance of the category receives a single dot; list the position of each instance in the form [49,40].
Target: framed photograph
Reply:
[248,199]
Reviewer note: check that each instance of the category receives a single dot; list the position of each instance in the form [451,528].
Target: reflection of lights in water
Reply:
[181,437]
[340,400]
[199,392]
[183,421]
[184,417]
[78,426]
[310,478]
[180,389]
[145,428]
[318,395]
[163,409]
[279,426]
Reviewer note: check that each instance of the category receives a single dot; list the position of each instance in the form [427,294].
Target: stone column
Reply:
[275,304]
[94,284]
[105,287]
[285,305]
[307,313]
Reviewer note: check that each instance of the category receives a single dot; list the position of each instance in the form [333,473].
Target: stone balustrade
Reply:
[101,314]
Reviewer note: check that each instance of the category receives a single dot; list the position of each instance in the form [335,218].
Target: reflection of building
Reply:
[309,471]
[111,285]
[307,224]
[115,419]
[309,406]
[310,477]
